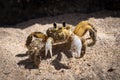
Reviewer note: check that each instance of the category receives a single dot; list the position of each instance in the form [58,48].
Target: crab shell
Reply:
[59,35]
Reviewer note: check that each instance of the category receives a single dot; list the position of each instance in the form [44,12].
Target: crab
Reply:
[59,35]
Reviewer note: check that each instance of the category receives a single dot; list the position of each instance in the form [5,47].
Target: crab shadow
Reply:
[26,62]
[21,55]
[57,49]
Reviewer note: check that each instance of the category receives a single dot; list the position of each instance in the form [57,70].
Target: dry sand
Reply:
[101,62]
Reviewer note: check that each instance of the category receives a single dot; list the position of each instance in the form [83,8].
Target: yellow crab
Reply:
[60,34]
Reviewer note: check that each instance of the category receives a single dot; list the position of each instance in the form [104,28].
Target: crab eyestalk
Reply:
[55,26]
[64,24]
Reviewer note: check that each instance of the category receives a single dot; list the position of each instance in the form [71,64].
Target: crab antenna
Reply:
[55,25]
[64,24]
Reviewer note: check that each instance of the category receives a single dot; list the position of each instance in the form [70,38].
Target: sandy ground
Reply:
[101,62]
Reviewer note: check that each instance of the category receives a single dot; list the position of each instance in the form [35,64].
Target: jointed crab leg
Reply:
[82,28]
[36,35]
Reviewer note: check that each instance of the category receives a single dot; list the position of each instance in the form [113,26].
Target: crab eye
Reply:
[64,24]
[55,25]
